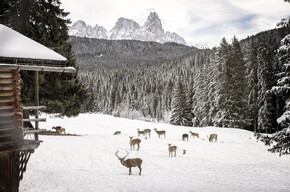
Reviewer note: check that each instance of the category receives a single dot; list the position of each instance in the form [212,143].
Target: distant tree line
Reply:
[227,86]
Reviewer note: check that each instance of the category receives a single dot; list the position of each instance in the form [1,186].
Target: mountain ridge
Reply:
[129,29]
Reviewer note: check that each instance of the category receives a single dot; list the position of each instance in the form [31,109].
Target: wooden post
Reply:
[36,95]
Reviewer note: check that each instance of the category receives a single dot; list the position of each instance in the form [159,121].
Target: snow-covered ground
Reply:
[237,162]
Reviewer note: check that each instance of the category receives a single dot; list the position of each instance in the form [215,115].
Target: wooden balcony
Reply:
[33,130]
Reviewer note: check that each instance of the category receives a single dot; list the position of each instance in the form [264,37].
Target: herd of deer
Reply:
[137,162]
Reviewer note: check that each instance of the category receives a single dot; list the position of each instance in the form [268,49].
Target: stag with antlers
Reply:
[129,163]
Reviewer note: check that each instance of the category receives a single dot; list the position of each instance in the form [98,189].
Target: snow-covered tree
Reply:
[252,81]
[212,91]
[180,114]
[223,116]
[199,97]
[47,23]
[264,100]
[239,105]
[281,139]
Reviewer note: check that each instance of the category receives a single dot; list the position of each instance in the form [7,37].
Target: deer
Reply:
[117,133]
[134,142]
[172,149]
[147,131]
[140,133]
[129,163]
[184,136]
[194,134]
[212,137]
[59,129]
[160,133]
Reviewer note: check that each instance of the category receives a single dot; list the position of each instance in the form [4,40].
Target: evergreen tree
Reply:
[179,115]
[45,22]
[200,97]
[264,100]
[238,91]
[252,68]
[212,91]
[281,139]
[231,103]
[223,116]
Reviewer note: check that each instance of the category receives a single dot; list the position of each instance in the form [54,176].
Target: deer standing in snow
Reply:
[147,131]
[212,137]
[140,132]
[172,149]
[129,163]
[194,134]
[160,133]
[134,142]
[184,136]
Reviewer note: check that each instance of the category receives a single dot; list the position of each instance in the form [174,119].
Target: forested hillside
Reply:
[92,54]
[226,86]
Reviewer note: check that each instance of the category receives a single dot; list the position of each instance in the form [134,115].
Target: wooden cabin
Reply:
[17,53]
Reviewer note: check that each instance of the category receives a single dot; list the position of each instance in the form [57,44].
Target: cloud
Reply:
[194,20]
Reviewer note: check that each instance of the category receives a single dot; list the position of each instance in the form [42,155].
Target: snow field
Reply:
[237,162]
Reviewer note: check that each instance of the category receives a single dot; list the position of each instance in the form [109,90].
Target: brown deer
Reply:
[59,129]
[117,133]
[129,163]
[160,133]
[184,136]
[140,132]
[172,149]
[194,134]
[212,137]
[147,131]
[134,142]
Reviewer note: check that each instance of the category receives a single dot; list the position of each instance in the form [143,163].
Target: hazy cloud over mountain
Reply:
[194,20]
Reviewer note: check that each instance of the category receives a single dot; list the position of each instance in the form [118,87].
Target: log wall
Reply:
[11,136]
[10,110]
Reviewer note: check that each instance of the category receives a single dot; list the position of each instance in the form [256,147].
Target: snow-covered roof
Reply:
[16,45]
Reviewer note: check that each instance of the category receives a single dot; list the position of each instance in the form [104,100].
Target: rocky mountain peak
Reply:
[124,29]
[124,23]
[153,23]
[128,29]
[79,23]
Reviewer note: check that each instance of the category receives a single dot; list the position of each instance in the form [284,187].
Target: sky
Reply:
[197,21]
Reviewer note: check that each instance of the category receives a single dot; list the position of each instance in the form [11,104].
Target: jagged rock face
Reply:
[124,29]
[100,32]
[78,28]
[81,29]
[173,37]
[128,29]
[153,24]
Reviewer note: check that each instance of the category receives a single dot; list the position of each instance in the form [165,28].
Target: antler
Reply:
[117,155]
[127,154]
[123,157]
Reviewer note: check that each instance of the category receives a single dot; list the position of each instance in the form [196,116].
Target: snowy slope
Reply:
[237,162]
